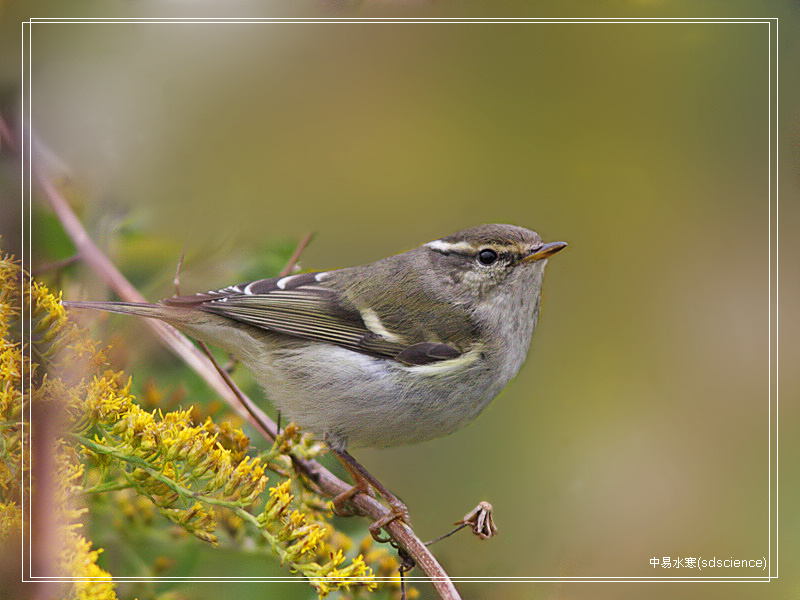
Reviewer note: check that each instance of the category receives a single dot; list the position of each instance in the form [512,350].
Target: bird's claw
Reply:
[399,511]
[342,503]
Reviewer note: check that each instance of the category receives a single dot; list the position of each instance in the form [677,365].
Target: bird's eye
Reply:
[487,256]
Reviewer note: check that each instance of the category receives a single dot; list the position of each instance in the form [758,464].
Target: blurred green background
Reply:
[638,427]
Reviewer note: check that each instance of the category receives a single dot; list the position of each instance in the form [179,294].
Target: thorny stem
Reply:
[180,344]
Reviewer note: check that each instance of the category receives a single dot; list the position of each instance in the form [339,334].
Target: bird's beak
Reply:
[544,251]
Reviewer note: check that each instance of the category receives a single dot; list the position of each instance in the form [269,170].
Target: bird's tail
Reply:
[208,327]
[141,309]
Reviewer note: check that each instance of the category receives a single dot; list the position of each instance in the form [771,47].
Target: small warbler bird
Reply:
[406,349]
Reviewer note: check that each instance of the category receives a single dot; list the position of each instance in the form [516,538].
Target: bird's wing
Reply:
[303,306]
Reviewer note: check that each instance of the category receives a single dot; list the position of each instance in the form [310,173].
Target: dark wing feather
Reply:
[302,307]
[426,353]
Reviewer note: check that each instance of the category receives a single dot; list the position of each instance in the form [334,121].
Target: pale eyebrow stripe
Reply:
[446,247]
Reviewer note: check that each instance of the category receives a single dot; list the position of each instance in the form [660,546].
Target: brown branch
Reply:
[265,424]
[296,256]
[330,485]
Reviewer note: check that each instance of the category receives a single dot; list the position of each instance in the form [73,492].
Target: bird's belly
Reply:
[355,400]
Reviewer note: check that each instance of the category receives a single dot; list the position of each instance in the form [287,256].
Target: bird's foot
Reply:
[342,503]
[399,511]
[366,483]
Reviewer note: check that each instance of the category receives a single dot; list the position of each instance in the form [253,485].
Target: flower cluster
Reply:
[303,540]
[74,556]
[190,472]
[200,476]
[11,431]
[183,468]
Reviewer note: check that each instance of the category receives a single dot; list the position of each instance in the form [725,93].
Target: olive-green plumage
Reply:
[406,349]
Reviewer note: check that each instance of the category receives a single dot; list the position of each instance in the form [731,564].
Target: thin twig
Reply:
[258,415]
[268,428]
[177,280]
[447,535]
[180,344]
[296,256]
[55,265]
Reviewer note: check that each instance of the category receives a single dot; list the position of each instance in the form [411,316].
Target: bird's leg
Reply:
[363,480]
[360,486]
